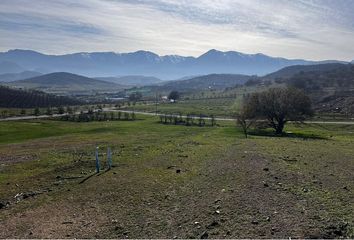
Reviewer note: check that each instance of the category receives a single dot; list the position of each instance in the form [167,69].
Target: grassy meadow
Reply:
[174,181]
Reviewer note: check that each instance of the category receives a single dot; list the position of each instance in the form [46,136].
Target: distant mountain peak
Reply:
[212,52]
[147,63]
[23,51]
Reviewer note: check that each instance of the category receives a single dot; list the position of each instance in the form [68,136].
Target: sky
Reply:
[307,29]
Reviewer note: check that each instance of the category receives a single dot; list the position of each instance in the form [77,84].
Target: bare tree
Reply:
[277,106]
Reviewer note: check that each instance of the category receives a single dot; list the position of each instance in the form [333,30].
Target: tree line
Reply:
[15,98]
[91,116]
[188,120]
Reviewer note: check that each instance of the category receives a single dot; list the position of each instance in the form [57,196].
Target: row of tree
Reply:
[188,120]
[99,116]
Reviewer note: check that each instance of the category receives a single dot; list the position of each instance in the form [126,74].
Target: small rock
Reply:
[178,171]
[2,205]
[265,184]
[305,190]
[67,222]
[255,222]
[223,190]
[213,224]
[217,212]
[267,219]
[204,235]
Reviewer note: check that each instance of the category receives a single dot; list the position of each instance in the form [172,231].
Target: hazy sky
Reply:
[311,29]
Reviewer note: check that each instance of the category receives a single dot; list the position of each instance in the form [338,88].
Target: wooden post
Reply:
[97,161]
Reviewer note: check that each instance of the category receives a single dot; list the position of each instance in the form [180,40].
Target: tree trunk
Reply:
[279,128]
[245,132]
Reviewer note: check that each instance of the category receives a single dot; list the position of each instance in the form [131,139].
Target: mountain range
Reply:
[169,67]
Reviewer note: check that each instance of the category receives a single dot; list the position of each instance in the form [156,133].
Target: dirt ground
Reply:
[196,183]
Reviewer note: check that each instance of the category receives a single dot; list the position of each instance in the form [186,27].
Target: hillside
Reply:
[212,81]
[132,80]
[10,77]
[291,70]
[339,78]
[330,86]
[10,67]
[65,82]
[15,98]
[147,63]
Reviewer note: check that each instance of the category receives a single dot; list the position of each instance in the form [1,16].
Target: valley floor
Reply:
[174,181]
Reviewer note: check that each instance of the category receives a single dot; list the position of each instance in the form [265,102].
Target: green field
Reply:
[175,181]
[218,107]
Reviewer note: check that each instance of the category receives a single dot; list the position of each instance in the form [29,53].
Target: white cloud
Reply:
[312,29]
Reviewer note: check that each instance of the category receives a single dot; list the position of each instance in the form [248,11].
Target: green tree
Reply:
[135,96]
[61,110]
[37,112]
[174,95]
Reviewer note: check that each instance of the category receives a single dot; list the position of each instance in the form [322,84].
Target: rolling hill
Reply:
[330,86]
[10,67]
[340,78]
[291,70]
[15,98]
[132,80]
[195,84]
[10,77]
[212,81]
[147,63]
[65,82]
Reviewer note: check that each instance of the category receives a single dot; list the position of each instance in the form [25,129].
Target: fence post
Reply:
[97,161]
[109,158]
